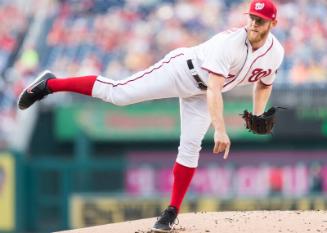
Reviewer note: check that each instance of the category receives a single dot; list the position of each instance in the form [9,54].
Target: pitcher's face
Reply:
[258,28]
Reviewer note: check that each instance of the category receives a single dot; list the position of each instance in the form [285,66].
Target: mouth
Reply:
[254,33]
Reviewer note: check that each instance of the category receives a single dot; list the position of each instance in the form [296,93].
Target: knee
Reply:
[115,99]
[187,161]
[190,145]
[108,93]
[119,102]
[189,152]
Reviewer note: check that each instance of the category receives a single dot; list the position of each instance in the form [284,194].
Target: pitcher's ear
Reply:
[274,22]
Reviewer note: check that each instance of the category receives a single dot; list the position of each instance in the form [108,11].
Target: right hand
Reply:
[222,143]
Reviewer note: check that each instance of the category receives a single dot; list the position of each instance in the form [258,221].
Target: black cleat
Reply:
[35,91]
[166,220]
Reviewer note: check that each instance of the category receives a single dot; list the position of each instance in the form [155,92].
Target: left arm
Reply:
[261,94]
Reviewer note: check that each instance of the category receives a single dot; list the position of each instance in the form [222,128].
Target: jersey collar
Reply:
[262,48]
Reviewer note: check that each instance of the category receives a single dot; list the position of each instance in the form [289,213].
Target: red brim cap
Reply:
[264,9]
[259,15]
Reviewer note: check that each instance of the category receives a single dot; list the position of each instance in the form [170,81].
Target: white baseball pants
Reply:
[168,78]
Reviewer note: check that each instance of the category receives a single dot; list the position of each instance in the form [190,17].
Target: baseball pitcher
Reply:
[197,76]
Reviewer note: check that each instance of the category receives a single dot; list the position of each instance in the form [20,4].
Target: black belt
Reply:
[197,78]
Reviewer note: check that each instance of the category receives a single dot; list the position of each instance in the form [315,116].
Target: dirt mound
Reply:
[227,222]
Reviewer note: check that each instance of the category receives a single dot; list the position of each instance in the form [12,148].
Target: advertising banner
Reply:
[226,182]
[246,174]
[149,121]
[94,209]
[7,192]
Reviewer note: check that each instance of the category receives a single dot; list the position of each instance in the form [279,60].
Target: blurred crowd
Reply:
[126,39]
[14,24]
[302,30]
[115,38]
[123,37]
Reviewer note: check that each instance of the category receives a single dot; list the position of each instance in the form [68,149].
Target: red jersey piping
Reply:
[141,76]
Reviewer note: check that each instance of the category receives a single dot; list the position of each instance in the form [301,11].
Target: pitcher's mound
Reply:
[227,222]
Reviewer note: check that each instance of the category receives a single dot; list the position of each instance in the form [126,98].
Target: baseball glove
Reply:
[262,124]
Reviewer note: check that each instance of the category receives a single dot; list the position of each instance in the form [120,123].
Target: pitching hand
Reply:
[222,143]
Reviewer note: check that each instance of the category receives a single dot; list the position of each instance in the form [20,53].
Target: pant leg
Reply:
[195,122]
[156,82]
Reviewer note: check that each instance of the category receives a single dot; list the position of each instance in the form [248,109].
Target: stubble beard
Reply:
[256,37]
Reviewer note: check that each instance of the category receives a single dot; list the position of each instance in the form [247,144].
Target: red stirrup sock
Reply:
[82,85]
[182,179]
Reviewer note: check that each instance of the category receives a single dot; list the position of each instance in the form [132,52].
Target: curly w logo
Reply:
[259,73]
[259,6]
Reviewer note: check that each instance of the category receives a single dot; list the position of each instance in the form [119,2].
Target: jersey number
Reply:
[258,74]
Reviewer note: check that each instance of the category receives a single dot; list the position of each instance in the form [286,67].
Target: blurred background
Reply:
[72,161]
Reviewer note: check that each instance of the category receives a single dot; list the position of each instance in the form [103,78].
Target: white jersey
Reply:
[178,73]
[230,54]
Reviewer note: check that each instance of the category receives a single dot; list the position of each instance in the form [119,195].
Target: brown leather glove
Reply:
[262,124]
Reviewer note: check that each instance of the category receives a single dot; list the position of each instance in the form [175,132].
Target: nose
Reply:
[254,23]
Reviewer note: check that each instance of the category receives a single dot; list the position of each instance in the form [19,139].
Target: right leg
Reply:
[156,82]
